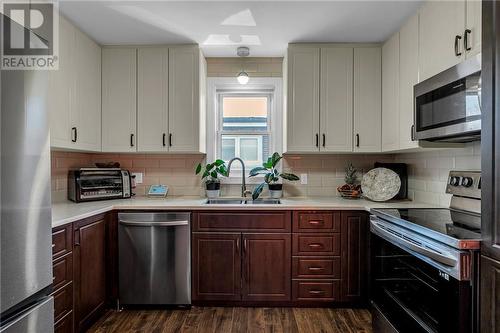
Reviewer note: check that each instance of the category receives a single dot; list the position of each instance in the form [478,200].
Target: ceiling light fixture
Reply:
[242,77]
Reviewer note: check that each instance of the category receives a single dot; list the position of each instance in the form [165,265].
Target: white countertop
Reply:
[67,212]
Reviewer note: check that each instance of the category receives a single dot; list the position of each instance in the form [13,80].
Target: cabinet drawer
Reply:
[65,324]
[307,244]
[310,290]
[62,241]
[316,221]
[264,221]
[62,269]
[63,301]
[309,267]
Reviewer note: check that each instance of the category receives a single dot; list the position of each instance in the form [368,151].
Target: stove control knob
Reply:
[454,181]
[467,182]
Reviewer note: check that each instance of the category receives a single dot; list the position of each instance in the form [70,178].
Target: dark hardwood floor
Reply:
[236,320]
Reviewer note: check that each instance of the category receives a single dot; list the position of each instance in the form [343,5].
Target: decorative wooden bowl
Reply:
[350,191]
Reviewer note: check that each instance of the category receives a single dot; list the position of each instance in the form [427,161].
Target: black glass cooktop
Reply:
[455,224]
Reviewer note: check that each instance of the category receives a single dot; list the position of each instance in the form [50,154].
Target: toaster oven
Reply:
[90,184]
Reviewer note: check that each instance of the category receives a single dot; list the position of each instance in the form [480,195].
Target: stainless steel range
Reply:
[424,262]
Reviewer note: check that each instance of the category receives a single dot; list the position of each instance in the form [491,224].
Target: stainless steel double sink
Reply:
[242,201]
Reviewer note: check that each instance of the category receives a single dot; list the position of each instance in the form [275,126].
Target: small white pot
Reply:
[212,194]
[276,194]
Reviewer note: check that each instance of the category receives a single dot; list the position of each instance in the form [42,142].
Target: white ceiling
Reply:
[220,26]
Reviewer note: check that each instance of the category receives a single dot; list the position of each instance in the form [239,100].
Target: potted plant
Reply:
[350,189]
[271,177]
[211,176]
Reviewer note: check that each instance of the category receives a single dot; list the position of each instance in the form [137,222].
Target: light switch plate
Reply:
[138,177]
[303,178]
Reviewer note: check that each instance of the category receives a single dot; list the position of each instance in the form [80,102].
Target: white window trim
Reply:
[257,84]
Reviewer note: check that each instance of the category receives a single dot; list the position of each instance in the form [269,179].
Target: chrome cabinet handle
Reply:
[238,245]
[315,245]
[316,269]
[316,292]
[412,132]
[316,222]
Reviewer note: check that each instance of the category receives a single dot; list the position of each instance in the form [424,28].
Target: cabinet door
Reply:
[61,92]
[390,94]
[90,271]
[367,99]
[216,264]
[266,267]
[473,23]
[336,99]
[354,272]
[490,295]
[303,99]
[440,23]
[87,115]
[119,100]
[152,99]
[183,99]
[408,78]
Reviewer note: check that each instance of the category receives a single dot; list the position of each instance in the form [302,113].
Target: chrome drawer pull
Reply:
[316,292]
[316,269]
[315,245]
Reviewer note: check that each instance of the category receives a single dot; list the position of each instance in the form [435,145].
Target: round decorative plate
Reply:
[380,184]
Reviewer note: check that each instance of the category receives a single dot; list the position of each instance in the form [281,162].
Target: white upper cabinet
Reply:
[390,94]
[74,94]
[303,99]
[408,78]
[336,101]
[88,93]
[61,92]
[119,116]
[184,99]
[441,37]
[472,35]
[367,99]
[152,99]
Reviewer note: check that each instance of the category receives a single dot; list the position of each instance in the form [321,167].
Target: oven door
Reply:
[448,105]
[411,295]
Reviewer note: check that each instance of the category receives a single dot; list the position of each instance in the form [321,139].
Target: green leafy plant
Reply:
[212,171]
[351,174]
[271,174]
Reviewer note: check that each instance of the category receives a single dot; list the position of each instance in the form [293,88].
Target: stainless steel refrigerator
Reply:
[25,222]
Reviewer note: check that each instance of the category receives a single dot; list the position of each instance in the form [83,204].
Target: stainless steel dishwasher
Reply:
[154,258]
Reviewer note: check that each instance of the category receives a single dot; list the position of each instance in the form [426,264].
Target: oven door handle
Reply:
[436,256]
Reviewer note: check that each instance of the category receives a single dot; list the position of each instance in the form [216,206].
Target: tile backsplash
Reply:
[427,171]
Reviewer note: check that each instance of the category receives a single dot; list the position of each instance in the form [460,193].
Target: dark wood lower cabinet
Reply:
[322,261]
[89,271]
[266,267]
[490,295]
[354,258]
[216,266]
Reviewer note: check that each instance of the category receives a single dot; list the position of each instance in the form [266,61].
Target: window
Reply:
[244,127]
[244,121]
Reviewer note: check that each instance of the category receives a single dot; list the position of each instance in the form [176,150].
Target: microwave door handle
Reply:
[438,257]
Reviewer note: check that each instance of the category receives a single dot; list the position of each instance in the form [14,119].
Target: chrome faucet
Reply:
[244,190]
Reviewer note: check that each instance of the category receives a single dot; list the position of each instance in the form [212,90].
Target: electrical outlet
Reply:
[303,178]
[138,177]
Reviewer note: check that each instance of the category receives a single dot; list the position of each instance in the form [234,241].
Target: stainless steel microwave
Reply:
[448,105]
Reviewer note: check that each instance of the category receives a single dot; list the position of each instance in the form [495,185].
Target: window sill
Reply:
[236,180]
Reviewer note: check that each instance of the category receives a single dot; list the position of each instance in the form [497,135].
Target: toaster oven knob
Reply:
[467,182]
